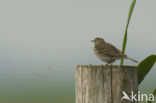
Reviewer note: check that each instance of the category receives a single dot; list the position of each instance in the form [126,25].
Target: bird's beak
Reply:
[92,40]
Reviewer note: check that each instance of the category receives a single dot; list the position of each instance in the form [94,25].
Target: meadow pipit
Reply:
[107,52]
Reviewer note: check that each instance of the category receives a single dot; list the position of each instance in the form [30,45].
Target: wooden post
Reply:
[105,84]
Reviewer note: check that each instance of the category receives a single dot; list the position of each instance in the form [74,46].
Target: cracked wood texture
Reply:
[105,84]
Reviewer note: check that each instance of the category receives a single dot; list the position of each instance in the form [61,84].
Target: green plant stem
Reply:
[125,36]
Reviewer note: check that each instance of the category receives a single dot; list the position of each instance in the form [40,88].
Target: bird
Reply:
[107,52]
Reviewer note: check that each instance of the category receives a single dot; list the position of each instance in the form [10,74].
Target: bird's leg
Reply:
[111,64]
[107,64]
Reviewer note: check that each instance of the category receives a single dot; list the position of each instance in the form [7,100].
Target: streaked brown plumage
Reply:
[107,52]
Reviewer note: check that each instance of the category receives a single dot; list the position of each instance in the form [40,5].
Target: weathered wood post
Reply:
[105,84]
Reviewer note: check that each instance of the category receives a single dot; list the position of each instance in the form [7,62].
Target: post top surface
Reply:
[106,66]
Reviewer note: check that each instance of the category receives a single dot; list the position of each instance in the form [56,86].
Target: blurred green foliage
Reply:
[145,66]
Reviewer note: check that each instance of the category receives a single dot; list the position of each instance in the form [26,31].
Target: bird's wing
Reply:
[110,50]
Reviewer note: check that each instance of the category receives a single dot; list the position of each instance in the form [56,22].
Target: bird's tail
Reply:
[132,59]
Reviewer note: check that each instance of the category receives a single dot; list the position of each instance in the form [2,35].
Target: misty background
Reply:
[41,41]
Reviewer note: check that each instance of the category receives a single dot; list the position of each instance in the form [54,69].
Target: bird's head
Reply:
[98,41]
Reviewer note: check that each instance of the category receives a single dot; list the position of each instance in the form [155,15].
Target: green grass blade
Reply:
[154,93]
[125,36]
[145,66]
